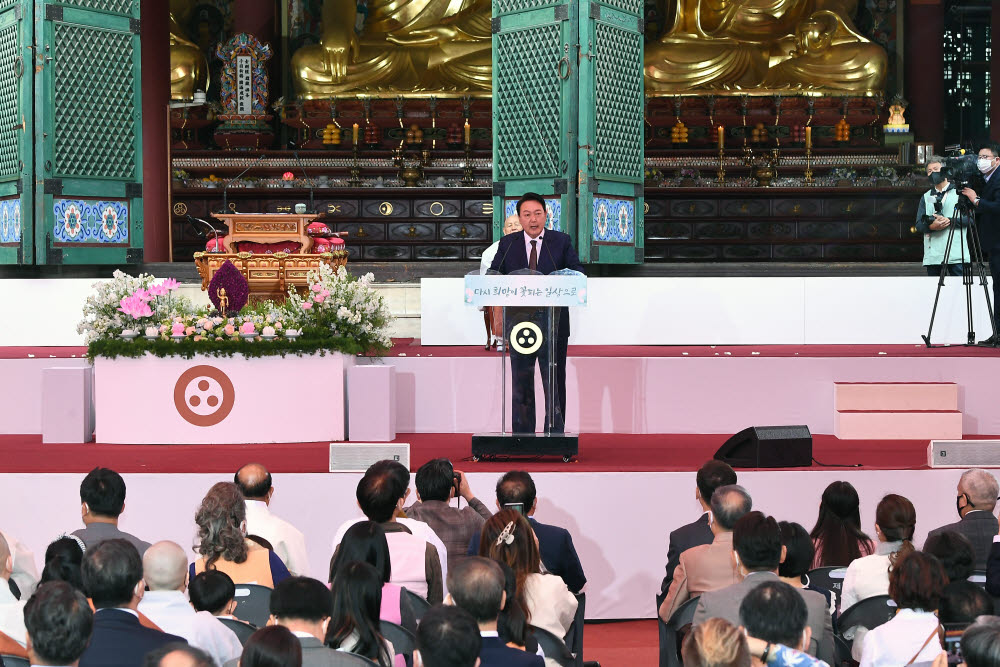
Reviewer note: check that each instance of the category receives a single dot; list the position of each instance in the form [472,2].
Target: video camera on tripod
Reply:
[960,169]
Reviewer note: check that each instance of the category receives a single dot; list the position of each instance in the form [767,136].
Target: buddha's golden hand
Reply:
[338,53]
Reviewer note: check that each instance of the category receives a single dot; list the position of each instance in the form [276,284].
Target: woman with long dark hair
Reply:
[512,623]
[63,559]
[273,646]
[837,535]
[895,521]
[354,622]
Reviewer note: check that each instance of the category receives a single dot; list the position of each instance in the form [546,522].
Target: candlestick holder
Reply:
[355,179]
[720,173]
[809,173]
[468,178]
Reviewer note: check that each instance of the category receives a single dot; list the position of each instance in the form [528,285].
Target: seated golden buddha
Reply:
[414,45]
[188,65]
[772,45]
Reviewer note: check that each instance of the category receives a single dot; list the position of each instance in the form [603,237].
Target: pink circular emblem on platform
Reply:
[204,395]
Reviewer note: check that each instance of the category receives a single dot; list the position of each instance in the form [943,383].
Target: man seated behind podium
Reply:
[543,250]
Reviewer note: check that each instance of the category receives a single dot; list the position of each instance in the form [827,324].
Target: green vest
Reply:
[935,241]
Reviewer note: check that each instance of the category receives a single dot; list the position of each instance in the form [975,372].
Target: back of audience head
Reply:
[6,558]
[711,476]
[273,646]
[896,519]
[357,602]
[757,542]
[302,604]
[517,487]
[59,622]
[178,654]
[715,643]
[799,550]
[507,537]
[436,480]
[221,520]
[447,636]
[363,542]
[63,559]
[838,526]
[253,481]
[917,581]
[981,643]
[956,553]
[112,574]
[729,504]
[776,613]
[165,567]
[962,602]
[102,494]
[380,493]
[476,584]
[213,591]
[980,489]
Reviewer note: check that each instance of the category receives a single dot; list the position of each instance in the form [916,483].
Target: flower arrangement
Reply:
[882,172]
[689,172]
[843,174]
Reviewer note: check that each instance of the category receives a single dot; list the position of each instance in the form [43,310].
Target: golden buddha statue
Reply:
[188,65]
[764,45]
[415,45]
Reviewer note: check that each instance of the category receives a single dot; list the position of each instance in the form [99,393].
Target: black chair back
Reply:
[14,661]
[419,604]
[345,659]
[574,638]
[869,613]
[403,641]
[678,626]
[830,578]
[240,629]
[14,589]
[253,604]
[554,647]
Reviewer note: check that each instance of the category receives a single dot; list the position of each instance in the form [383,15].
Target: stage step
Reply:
[898,424]
[899,396]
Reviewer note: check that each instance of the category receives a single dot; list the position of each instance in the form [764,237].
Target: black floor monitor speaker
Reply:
[768,447]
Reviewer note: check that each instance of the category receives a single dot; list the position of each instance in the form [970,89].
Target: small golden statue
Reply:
[768,45]
[188,65]
[223,301]
[897,122]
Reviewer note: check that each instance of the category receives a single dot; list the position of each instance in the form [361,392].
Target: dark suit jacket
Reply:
[557,253]
[988,213]
[497,654]
[555,546]
[979,527]
[118,640]
[693,534]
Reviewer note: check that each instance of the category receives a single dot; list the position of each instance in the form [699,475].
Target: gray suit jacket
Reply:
[316,654]
[725,603]
[979,527]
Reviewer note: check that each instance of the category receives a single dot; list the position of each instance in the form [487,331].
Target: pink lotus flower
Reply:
[170,284]
[230,329]
[247,328]
[307,305]
[152,331]
[268,331]
[157,290]
[177,329]
[135,307]
[143,295]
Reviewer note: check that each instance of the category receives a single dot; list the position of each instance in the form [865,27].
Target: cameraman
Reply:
[988,216]
[934,220]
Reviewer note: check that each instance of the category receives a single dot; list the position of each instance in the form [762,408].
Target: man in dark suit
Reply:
[112,576]
[477,585]
[555,544]
[447,637]
[976,500]
[987,205]
[59,623]
[545,251]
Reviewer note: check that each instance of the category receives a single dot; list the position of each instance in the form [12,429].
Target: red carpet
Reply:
[622,643]
[598,453]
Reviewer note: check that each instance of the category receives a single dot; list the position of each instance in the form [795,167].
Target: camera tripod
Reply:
[963,216]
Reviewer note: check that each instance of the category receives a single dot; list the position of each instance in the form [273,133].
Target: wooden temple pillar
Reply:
[155,35]
[924,78]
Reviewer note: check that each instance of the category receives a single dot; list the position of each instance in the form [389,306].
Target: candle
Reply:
[467,131]
[722,137]
[354,134]
[809,136]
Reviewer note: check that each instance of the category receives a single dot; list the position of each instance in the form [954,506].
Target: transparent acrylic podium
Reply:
[535,327]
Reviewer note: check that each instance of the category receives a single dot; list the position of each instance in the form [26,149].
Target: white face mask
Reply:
[984,164]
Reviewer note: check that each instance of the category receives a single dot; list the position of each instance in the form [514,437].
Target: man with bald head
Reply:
[254,482]
[178,655]
[165,570]
[975,502]
[11,609]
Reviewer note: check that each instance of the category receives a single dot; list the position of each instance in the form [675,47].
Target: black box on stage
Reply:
[768,447]
[492,445]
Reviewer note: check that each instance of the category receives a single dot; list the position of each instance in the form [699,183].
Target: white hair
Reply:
[981,487]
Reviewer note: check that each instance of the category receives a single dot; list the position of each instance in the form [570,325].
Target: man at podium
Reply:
[544,251]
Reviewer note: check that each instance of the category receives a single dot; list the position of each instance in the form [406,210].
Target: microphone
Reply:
[225,190]
[215,231]
[295,152]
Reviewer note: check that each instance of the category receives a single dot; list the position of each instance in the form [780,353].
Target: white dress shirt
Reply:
[12,614]
[288,541]
[174,614]
[868,576]
[894,643]
[538,247]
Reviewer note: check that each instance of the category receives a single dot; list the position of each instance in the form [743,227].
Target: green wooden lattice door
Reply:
[16,242]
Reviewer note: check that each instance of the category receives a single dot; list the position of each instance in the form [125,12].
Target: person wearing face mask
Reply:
[975,500]
[987,205]
[934,221]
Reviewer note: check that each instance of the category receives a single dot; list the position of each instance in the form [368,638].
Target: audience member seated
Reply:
[270,647]
[11,609]
[223,545]
[24,574]
[512,623]
[437,483]
[102,498]
[365,542]
[507,538]
[757,543]
[962,602]
[915,585]
[214,592]
[799,553]
[837,535]
[555,544]
[112,576]
[165,571]
[715,643]
[447,637]
[354,622]
[477,585]
[981,643]
[63,559]
[415,562]
[956,553]
[254,482]
[774,616]
[395,470]
[178,655]
[710,476]
[709,567]
[59,623]
[895,521]
[976,500]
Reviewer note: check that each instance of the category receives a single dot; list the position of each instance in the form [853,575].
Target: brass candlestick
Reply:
[720,173]
[467,174]
[809,172]
[355,179]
